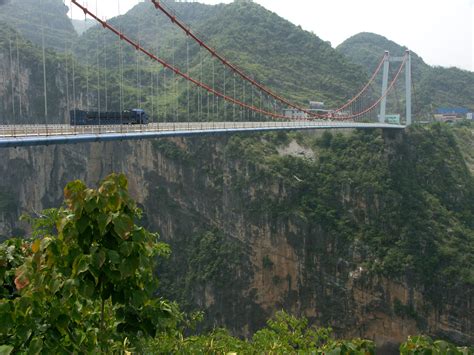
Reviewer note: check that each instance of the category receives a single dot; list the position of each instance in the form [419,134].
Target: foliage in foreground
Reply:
[85,283]
[424,345]
[283,334]
[86,280]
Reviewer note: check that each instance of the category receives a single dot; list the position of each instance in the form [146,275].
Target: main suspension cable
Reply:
[362,91]
[187,30]
[198,83]
[390,87]
[175,19]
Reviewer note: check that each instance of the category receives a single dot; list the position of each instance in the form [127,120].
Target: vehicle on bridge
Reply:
[134,116]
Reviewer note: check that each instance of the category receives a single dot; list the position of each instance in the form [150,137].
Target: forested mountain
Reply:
[434,87]
[286,58]
[289,60]
[292,62]
[33,17]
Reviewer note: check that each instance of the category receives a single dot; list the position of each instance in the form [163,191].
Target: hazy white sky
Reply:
[440,31]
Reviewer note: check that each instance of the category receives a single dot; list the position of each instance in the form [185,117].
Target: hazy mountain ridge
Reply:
[82,26]
[31,18]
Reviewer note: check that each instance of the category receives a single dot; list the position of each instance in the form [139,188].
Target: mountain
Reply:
[82,26]
[32,17]
[21,72]
[367,232]
[434,87]
[294,63]
[370,233]
[291,61]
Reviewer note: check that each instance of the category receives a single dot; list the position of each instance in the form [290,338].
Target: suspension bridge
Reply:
[181,101]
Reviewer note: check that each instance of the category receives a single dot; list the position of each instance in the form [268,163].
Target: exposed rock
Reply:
[284,262]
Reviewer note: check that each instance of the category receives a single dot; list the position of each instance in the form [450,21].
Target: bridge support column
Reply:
[383,104]
[408,88]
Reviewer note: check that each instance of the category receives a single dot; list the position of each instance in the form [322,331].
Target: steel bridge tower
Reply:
[386,67]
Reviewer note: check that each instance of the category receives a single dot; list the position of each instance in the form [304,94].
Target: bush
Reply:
[85,282]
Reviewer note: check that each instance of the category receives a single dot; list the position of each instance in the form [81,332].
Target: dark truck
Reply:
[134,116]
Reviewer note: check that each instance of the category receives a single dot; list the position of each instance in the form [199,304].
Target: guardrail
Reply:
[30,135]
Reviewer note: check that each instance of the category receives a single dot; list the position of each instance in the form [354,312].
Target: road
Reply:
[30,135]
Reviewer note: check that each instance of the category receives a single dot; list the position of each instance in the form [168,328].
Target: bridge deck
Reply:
[32,135]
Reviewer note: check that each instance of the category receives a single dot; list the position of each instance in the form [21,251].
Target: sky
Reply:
[440,31]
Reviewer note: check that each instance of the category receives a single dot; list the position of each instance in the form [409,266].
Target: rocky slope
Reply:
[251,235]
[68,83]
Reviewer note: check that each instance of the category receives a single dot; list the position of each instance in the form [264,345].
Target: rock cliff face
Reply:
[22,98]
[233,255]
[21,82]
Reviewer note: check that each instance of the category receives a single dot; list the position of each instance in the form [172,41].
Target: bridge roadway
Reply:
[35,135]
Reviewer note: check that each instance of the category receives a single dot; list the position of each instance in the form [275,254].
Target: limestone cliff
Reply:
[245,243]
[22,96]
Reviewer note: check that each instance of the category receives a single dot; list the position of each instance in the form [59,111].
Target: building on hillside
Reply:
[315,107]
[452,114]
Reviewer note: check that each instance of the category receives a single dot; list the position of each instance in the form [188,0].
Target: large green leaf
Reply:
[123,225]
[36,345]
[129,266]
[99,257]
[81,264]
[114,257]
[6,349]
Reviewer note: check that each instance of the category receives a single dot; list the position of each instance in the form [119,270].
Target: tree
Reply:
[87,278]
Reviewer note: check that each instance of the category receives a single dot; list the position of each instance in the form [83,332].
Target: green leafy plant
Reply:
[87,280]
[424,345]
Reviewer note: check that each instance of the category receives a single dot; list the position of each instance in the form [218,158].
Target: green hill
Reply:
[32,17]
[289,60]
[434,87]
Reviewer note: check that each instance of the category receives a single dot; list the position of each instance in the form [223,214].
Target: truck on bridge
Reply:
[133,116]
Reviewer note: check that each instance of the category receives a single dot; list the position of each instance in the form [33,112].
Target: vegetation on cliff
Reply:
[357,208]
[407,205]
[85,283]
